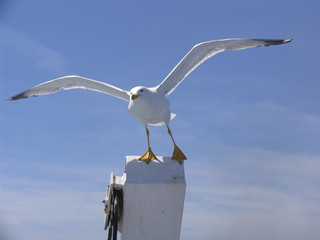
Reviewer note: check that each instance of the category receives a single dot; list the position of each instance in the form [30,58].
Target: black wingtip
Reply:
[270,42]
[18,96]
[276,41]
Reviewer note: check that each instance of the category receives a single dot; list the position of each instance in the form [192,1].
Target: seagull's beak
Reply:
[134,96]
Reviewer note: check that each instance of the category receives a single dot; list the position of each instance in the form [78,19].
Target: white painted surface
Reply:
[153,199]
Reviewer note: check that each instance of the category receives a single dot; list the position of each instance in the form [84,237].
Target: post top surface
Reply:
[162,170]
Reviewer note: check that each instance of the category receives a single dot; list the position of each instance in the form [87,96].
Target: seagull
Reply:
[149,104]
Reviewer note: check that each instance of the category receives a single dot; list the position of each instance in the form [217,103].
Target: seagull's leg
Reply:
[177,153]
[148,156]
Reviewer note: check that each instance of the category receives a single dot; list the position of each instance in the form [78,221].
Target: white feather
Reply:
[202,51]
[71,82]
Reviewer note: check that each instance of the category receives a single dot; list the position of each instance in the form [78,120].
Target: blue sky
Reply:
[248,121]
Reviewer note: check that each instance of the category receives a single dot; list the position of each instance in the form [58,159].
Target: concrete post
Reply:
[153,199]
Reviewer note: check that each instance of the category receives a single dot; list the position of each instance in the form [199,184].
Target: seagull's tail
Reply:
[172,116]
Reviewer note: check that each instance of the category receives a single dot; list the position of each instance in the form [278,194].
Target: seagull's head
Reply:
[137,92]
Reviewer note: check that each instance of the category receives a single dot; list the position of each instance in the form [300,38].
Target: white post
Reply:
[153,199]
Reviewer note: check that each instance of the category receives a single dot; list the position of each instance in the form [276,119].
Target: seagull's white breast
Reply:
[150,108]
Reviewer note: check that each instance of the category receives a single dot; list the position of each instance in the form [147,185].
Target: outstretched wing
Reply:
[202,51]
[70,82]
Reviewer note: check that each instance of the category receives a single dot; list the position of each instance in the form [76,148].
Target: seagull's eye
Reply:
[141,90]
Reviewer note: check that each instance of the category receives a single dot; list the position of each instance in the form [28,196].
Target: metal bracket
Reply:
[113,205]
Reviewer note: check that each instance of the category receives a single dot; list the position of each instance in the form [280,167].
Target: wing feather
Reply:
[202,51]
[71,82]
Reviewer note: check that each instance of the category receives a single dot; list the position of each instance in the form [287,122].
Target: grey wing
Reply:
[202,51]
[70,82]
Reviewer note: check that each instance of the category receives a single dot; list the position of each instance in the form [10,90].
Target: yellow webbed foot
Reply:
[178,154]
[148,156]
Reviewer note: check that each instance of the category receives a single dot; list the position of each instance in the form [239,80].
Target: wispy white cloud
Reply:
[42,56]
[39,198]
[253,194]
[39,211]
[262,124]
